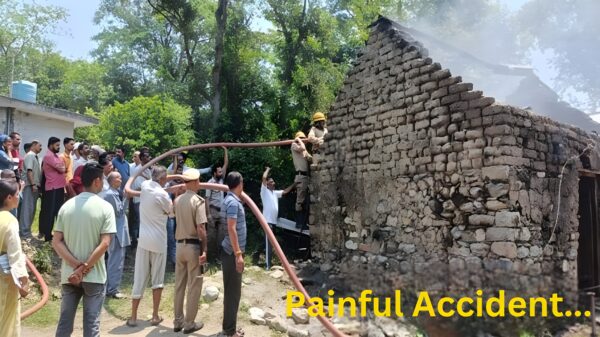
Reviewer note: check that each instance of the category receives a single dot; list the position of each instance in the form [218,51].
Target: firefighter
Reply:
[301,159]
[316,135]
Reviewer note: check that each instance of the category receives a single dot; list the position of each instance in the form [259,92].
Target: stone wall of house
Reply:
[427,184]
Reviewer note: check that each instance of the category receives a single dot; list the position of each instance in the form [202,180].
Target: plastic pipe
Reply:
[44,287]
[263,223]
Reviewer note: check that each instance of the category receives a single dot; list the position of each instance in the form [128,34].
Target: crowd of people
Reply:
[91,219]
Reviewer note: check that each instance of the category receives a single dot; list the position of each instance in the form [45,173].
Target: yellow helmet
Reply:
[299,134]
[318,116]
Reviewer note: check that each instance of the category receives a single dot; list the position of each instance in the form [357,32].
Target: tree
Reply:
[22,27]
[221,21]
[138,50]
[66,84]
[156,122]
[567,31]
[314,43]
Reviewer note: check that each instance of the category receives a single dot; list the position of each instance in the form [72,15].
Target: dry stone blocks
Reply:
[424,181]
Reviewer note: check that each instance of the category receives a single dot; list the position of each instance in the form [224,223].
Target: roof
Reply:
[513,85]
[41,110]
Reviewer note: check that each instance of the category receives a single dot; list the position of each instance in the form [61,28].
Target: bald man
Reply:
[116,250]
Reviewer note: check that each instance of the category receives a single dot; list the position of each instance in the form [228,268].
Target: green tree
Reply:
[138,51]
[314,43]
[62,83]
[567,31]
[156,122]
[23,27]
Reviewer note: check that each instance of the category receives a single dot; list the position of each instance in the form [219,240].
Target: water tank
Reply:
[24,91]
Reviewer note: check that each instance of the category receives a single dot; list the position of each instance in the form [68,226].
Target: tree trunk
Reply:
[221,19]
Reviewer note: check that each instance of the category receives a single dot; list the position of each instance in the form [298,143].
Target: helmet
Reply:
[318,116]
[299,134]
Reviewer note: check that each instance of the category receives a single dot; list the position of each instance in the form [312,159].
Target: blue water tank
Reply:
[24,91]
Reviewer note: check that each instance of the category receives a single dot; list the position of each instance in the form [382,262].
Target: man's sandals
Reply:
[154,322]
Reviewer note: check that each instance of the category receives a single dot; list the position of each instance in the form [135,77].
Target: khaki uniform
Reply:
[315,137]
[190,211]
[300,157]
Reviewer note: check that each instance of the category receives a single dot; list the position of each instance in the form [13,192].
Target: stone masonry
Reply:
[425,183]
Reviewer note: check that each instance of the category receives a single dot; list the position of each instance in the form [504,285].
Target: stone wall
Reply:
[425,183]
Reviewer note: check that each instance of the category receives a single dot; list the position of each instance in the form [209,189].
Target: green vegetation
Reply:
[47,316]
[42,258]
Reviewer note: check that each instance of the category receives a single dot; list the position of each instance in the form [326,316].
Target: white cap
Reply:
[98,149]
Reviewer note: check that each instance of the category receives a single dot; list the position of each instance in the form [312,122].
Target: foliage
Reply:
[71,85]
[157,122]
[23,27]
[178,72]
[42,258]
[566,30]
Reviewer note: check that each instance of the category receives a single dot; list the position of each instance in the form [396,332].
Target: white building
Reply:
[39,122]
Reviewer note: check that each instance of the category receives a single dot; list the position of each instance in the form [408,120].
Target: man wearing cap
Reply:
[96,152]
[301,158]
[190,212]
[316,135]
[81,155]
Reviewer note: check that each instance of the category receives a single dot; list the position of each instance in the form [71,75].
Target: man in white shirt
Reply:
[135,165]
[107,168]
[151,253]
[134,211]
[80,154]
[269,197]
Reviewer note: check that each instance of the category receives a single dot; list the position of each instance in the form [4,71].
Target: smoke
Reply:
[555,44]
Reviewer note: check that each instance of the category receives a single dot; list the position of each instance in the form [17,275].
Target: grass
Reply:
[121,309]
[46,316]
[35,226]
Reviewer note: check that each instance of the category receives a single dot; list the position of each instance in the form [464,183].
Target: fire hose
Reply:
[44,287]
[263,223]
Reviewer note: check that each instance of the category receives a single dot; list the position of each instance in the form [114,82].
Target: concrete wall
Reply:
[35,127]
[428,184]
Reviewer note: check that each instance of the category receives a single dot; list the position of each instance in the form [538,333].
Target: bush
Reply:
[42,258]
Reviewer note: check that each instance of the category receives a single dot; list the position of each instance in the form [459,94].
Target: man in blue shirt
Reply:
[121,165]
[232,258]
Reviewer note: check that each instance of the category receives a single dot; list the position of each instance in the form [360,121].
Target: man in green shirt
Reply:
[82,234]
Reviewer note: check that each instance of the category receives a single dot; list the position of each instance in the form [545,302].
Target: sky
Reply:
[73,38]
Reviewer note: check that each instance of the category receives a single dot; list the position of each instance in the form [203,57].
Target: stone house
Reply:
[426,183]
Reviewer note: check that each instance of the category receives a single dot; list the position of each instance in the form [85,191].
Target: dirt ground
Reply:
[259,289]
